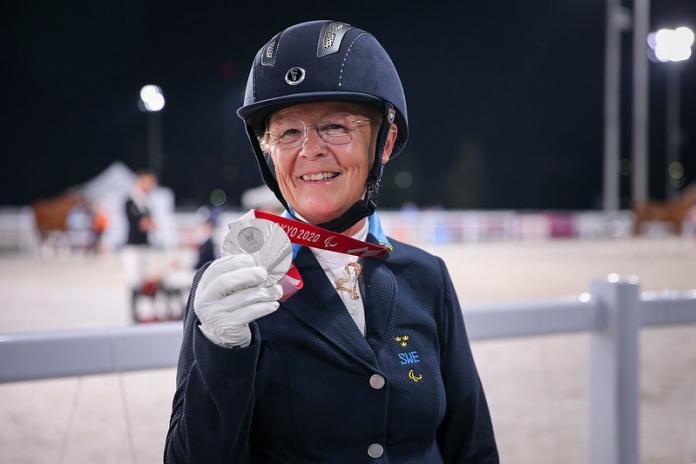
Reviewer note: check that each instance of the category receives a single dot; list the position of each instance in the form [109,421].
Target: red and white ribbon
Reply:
[301,233]
[305,234]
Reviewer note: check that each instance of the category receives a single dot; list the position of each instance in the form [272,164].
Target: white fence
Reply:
[18,232]
[613,311]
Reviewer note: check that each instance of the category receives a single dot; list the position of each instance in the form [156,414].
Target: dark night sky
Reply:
[505,98]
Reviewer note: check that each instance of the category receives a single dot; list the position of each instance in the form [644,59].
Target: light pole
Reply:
[672,46]
[152,102]
[616,22]
[640,120]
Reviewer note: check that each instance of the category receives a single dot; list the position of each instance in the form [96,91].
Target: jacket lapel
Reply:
[319,306]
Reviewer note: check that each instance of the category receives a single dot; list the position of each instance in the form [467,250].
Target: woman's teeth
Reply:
[319,176]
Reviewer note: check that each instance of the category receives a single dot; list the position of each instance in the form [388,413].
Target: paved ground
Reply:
[536,387]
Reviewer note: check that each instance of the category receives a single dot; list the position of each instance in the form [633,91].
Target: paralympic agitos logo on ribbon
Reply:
[330,242]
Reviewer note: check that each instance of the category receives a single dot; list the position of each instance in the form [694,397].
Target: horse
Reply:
[672,211]
[51,214]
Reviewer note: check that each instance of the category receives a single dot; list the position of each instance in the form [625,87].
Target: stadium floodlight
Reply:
[672,44]
[151,98]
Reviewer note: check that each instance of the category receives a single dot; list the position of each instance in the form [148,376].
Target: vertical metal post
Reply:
[612,116]
[673,126]
[614,373]
[641,20]
[154,142]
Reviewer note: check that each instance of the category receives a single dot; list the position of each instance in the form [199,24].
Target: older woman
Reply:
[369,362]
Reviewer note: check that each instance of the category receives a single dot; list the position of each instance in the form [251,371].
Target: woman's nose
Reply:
[312,144]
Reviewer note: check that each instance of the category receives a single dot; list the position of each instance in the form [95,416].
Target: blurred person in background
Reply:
[174,282]
[98,226]
[136,252]
[369,362]
[206,246]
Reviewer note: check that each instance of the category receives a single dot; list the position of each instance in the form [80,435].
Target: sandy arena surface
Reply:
[536,387]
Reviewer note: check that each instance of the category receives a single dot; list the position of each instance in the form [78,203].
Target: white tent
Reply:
[261,198]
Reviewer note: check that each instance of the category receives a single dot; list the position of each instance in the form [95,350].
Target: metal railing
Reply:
[613,312]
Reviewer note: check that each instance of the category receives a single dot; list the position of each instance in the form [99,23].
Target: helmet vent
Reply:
[336,26]
[330,38]
[270,51]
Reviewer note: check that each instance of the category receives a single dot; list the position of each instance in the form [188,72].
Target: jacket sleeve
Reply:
[214,398]
[133,214]
[466,433]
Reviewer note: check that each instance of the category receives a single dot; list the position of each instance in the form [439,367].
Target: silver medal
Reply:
[262,239]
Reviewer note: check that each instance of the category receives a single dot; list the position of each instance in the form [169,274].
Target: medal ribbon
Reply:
[304,234]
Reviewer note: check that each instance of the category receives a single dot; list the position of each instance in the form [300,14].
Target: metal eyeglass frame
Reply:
[300,141]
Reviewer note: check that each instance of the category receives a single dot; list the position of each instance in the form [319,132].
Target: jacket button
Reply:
[377,381]
[375,450]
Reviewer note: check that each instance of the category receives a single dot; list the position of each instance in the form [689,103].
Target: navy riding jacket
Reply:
[312,389]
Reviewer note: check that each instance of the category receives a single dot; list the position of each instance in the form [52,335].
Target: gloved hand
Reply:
[231,294]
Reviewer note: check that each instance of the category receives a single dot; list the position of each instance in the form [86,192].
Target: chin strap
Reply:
[361,208]
[266,167]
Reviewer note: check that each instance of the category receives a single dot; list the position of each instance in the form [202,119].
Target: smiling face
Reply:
[319,179]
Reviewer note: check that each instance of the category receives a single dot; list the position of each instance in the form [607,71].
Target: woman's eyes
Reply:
[331,129]
[334,128]
[289,133]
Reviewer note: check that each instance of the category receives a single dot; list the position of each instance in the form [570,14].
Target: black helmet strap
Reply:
[361,208]
[266,172]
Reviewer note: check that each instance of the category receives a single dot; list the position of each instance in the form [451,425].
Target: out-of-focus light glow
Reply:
[152,98]
[218,197]
[403,179]
[685,35]
[676,170]
[671,44]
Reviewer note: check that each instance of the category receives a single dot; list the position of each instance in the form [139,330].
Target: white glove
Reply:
[230,295]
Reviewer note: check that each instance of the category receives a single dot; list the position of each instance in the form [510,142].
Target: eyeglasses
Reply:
[334,129]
